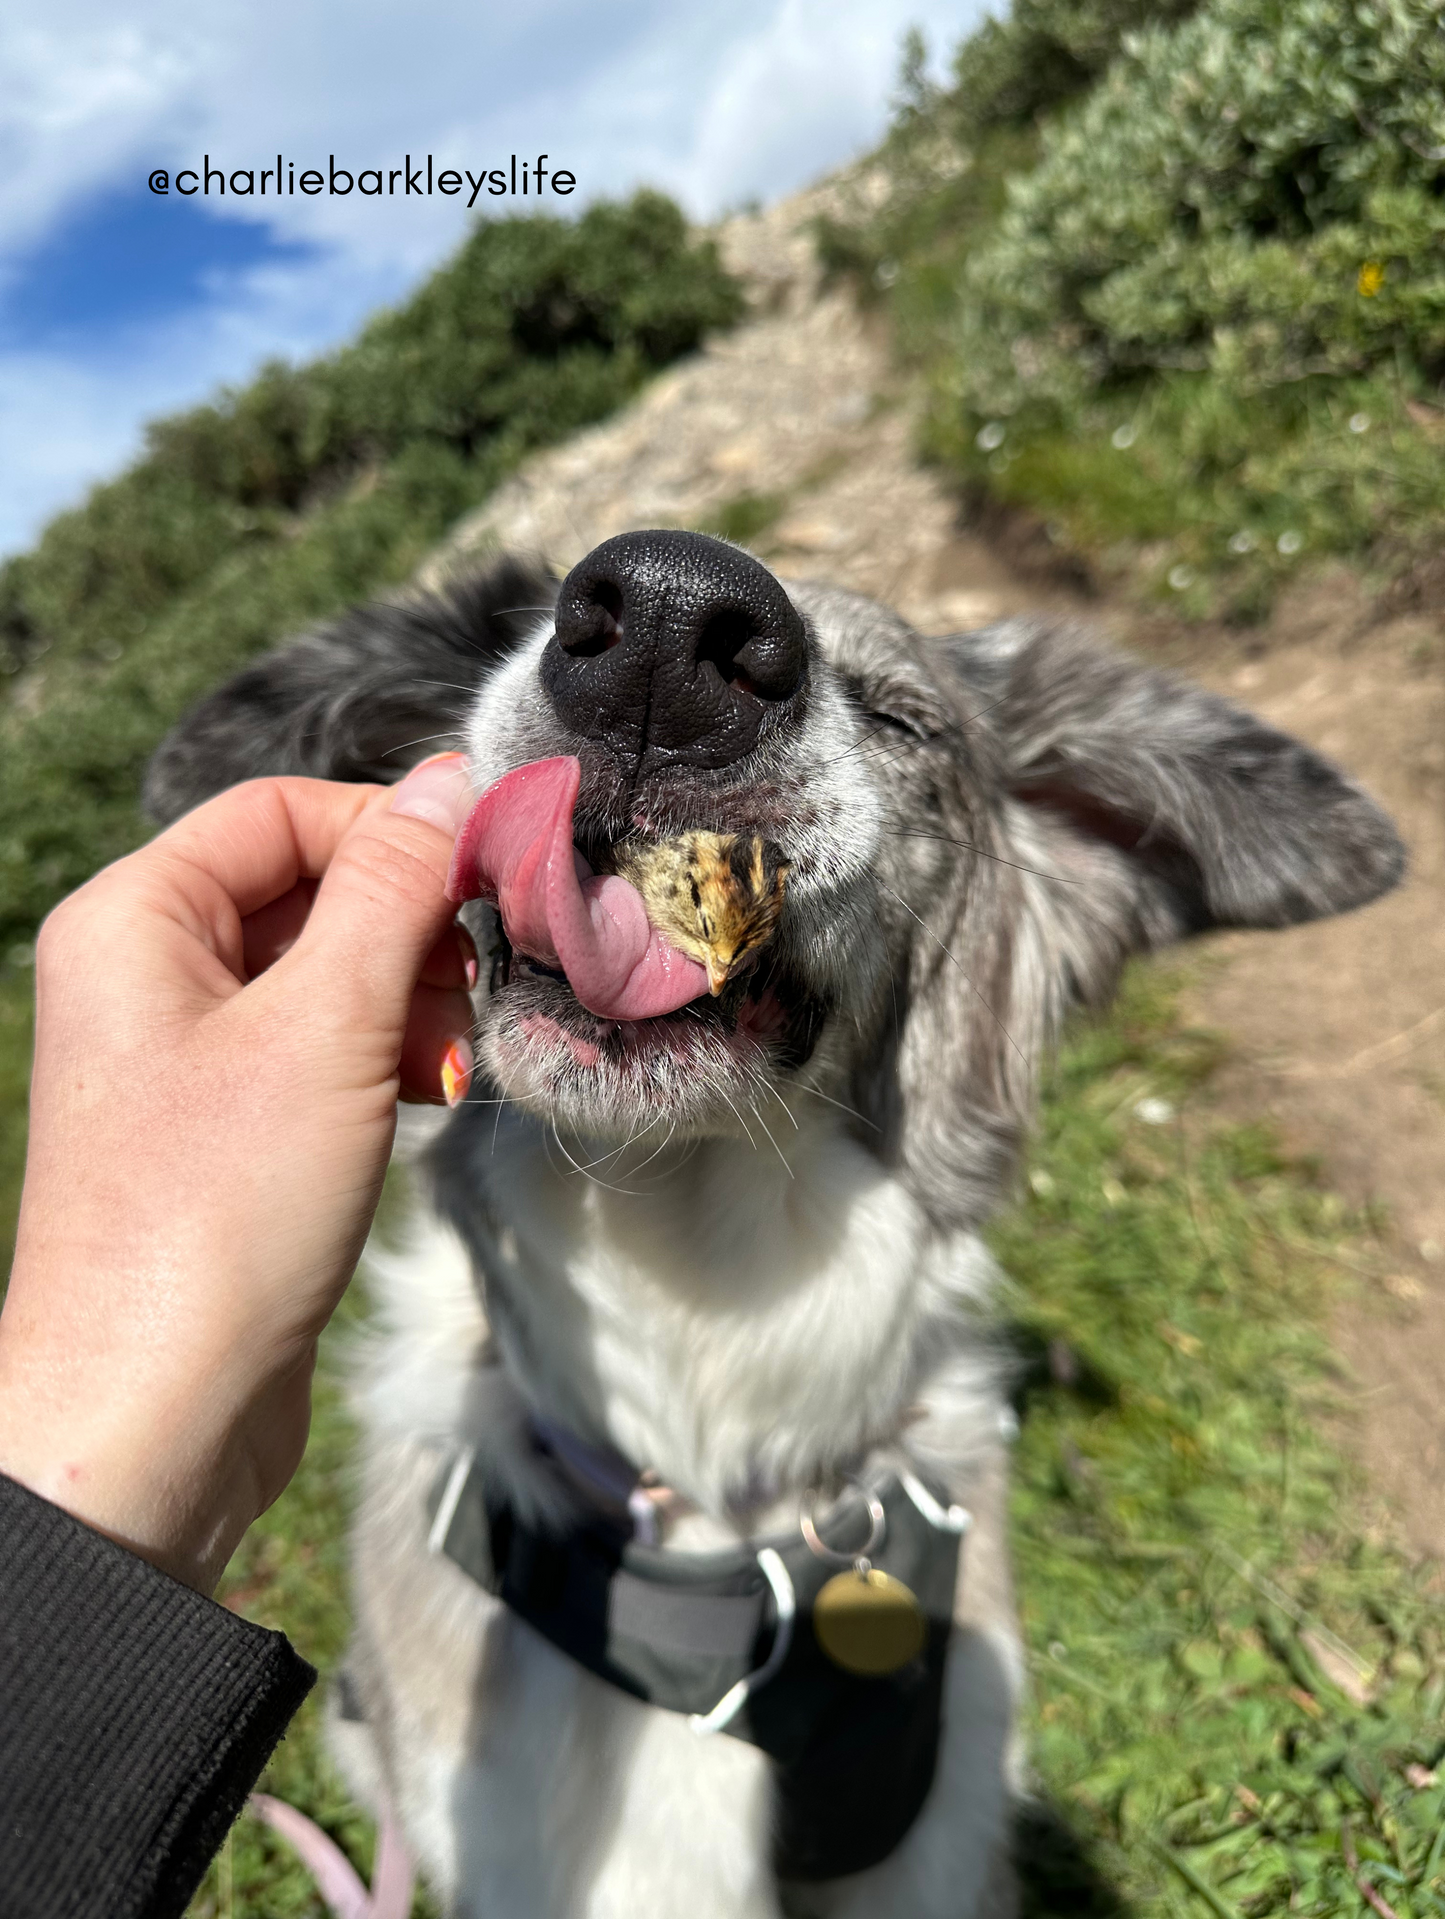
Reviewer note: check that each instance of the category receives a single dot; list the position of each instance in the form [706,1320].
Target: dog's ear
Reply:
[1220,819]
[1106,807]
[362,698]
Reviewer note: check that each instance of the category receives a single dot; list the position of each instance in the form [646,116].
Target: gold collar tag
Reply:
[868,1623]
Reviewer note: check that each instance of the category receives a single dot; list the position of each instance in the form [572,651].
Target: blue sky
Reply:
[120,260]
[117,305]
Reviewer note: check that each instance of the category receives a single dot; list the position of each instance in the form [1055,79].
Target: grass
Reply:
[1212,501]
[1232,1677]
[1205,1607]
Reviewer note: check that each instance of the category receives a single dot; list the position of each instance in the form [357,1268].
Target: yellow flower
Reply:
[1372,278]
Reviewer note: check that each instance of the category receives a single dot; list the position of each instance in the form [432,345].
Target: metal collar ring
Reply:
[861,1555]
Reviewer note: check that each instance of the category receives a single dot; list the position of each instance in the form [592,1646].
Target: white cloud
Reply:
[813,82]
[77,100]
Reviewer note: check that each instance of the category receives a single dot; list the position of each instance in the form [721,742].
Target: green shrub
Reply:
[1255,194]
[1043,53]
[1189,308]
[950,151]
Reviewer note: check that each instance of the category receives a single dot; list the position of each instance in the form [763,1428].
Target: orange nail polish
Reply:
[456,1071]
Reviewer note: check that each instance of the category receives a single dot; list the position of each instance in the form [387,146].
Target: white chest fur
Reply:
[737,1324]
[734,1323]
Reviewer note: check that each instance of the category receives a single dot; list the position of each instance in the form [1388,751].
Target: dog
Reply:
[692,1324]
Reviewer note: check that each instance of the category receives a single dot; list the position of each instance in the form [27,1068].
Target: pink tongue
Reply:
[516,848]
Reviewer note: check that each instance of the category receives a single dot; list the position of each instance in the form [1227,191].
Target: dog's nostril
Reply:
[608,599]
[600,627]
[768,667]
[725,636]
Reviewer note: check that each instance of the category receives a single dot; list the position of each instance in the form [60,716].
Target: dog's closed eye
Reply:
[888,706]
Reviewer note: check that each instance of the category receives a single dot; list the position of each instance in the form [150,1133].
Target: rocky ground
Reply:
[795,433]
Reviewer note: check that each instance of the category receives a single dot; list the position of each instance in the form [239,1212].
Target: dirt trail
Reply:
[1338,1029]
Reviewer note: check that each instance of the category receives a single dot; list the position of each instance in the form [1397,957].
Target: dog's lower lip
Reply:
[766,1005]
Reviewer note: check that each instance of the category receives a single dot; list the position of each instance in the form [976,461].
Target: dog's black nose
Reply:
[675,649]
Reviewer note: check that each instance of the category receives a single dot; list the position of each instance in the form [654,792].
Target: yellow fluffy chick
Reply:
[716,896]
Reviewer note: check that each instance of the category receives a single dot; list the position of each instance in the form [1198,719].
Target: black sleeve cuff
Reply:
[137,1716]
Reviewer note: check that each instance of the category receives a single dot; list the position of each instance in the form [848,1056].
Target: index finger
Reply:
[257,840]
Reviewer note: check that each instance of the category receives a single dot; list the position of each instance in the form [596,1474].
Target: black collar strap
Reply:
[727,1638]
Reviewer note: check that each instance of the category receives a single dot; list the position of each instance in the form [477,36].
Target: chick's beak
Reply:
[717,975]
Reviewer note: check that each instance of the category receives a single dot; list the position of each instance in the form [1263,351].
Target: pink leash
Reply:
[337,1879]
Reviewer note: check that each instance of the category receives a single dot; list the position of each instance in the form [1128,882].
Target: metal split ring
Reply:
[860,1555]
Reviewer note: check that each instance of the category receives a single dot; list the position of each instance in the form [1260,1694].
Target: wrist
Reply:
[176,1542]
[173,1478]
[119,1484]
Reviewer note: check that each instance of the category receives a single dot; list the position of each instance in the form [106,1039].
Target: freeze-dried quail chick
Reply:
[715,896]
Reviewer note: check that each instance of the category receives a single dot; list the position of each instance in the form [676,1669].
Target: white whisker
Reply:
[853,1110]
[968,846]
[771,1141]
[606,1185]
[712,1082]
[426,738]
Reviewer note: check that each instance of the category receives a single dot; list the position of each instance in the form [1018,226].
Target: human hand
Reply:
[220,1044]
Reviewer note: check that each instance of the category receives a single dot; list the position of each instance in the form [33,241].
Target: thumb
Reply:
[382,904]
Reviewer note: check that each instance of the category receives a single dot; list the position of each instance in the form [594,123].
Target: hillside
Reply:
[1172,277]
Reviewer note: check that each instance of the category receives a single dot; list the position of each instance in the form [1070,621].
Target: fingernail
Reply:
[469,957]
[437,791]
[456,1071]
